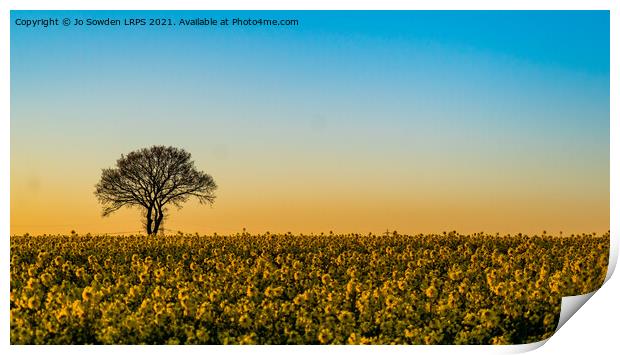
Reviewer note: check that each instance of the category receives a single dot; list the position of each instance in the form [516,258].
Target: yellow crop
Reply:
[297,289]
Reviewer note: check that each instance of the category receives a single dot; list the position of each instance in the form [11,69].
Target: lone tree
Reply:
[152,178]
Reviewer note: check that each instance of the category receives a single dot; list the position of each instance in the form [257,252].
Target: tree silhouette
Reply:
[152,178]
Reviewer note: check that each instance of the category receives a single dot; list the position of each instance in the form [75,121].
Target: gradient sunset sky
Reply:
[422,121]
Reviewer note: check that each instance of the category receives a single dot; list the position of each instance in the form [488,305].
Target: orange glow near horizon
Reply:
[54,206]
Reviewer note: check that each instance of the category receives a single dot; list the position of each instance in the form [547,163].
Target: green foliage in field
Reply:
[296,289]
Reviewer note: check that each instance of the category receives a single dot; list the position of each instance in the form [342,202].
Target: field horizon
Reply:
[243,231]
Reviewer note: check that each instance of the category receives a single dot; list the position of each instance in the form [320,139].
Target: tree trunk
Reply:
[149,221]
[159,216]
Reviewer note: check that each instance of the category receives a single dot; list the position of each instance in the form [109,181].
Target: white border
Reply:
[571,335]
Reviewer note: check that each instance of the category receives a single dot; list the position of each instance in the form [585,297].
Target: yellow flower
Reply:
[144,277]
[80,273]
[46,279]
[58,260]
[346,317]
[325,335]
[353,339]
[245,321]
[78,309]
[431,292]
[390,301]
[250,291]
[62,315]
[87,293]
[183,294]
[34,302]
[549,319]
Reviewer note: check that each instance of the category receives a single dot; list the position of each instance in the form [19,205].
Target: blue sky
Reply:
[429,110]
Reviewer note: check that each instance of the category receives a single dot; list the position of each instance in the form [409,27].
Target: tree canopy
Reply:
[152,178]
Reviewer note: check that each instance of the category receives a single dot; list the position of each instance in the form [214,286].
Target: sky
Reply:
[351,121]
